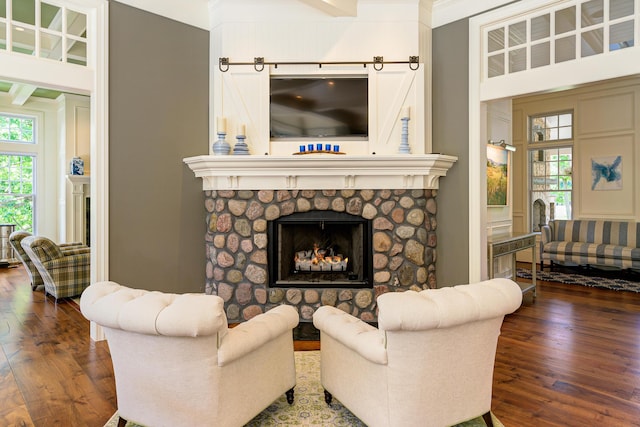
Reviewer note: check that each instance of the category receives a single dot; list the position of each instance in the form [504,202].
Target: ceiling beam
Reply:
[21,92]
[335,7]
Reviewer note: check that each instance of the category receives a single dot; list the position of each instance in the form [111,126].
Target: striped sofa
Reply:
[591,242]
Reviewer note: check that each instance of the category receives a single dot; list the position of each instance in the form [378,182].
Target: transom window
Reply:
[551,127]
[568,31]
[17,129]
[44,30]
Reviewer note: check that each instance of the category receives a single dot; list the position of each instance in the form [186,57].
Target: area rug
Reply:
[309,407]
[580,279]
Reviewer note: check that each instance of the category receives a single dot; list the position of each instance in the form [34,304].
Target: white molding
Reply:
[320,172]
[100,149]
[100,154]
[477,209]
[79,179]
[43,72]
[334,7]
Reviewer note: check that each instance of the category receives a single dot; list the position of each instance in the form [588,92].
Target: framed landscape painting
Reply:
[497,175]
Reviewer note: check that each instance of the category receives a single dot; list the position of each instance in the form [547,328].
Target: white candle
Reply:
[222,125]
[405,112]
[241,129]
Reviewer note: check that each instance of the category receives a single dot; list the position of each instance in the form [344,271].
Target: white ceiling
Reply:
[196,12]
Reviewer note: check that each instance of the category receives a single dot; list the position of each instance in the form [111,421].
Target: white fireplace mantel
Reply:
[320,171]
[77,216]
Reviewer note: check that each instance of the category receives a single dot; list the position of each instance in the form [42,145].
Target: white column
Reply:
[78,208]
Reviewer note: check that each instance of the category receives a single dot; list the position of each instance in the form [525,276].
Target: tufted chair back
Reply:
[176,362]
[428,363]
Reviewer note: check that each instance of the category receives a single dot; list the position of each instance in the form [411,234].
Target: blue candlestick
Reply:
[241,147]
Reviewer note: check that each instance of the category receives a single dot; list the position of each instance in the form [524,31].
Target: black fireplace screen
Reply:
[320,248]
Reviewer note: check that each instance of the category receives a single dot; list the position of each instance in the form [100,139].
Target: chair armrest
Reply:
[359,336]
[250,335]
[75,261]
[545,235]
[73,250]
[72,244]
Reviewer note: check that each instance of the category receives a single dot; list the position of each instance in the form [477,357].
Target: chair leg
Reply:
[289,394]
[327,397]
[487,419]
[121,422]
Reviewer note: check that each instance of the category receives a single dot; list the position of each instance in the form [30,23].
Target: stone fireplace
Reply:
[391,232]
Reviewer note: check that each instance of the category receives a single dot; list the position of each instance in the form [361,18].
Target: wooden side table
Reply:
[504,244]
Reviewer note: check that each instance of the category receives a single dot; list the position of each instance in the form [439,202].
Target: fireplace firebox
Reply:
[320,249]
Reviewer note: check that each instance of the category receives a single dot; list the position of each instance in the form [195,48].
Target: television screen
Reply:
[319,107]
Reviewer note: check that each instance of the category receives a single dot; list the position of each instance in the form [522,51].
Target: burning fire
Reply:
[320,260]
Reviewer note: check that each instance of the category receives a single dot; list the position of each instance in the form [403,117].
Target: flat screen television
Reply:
[319,107]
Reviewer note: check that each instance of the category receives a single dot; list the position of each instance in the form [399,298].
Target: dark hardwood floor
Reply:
[569,358]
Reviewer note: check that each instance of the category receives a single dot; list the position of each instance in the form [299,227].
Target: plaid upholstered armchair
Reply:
[65,273]
[15,240]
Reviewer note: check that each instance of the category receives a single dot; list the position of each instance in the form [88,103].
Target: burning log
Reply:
[319,259]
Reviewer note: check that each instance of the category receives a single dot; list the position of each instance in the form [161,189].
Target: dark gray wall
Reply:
[451,136]
[158,114]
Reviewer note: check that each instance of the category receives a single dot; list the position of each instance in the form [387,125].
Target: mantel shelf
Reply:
[79,179]
[320,172]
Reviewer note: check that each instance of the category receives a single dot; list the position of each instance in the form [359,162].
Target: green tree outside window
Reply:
[16,191]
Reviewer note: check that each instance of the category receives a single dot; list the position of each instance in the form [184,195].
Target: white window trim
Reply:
[9,151]
[42,200]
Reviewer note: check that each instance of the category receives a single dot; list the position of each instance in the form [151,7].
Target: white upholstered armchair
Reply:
[430,361]
[177,364]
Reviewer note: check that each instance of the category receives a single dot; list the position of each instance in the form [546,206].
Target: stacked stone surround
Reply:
[404,247]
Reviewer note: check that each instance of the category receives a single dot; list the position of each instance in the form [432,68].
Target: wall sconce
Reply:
[503,144]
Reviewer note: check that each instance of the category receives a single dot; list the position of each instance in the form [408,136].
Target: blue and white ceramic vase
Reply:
[221,147]
[77,166]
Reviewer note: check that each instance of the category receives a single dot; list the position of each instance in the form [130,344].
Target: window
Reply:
[17,129]
[551,184]
[567,31]
[16,190]
[552,127]
[550,167]
[17,171]
[43,29]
